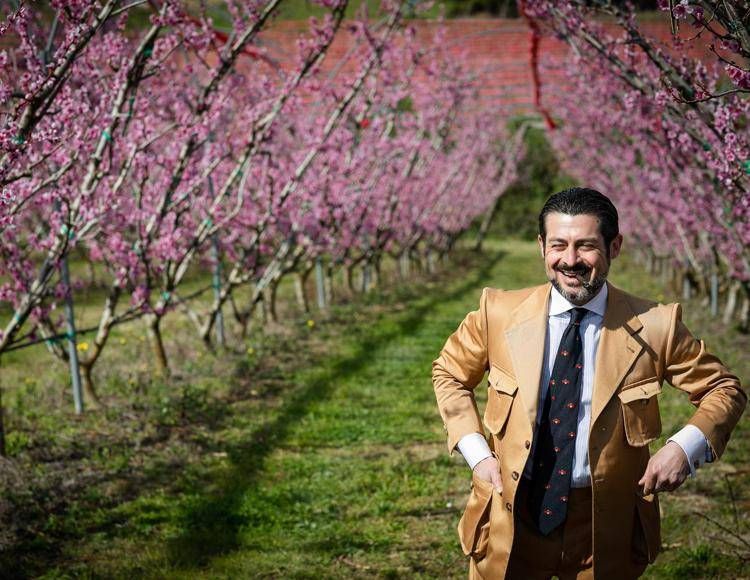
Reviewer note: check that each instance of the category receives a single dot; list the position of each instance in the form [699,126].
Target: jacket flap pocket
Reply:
[501,380]
[500,396]
[646,537]
[474,523]
[640,412]
[642,390]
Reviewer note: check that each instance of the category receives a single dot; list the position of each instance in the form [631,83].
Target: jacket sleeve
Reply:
[716,392]
[459,368]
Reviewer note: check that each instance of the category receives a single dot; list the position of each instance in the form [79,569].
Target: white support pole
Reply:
[75,371]
[320,283]
[714,294]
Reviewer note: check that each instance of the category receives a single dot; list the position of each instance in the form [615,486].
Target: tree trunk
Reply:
[93,282]
[430,259]
[649,262]
[263,311]
[686,287]
[272,293]
[300,283]
[328,283]
[731,305]
[157,344]
[89,391]
[675,277]
[268,308]
[241,316]
[320,285]
[2,426]
[349,275]
[244,321]
[377,273]
[417,262]
[745,312]
[403,265]
[486,223]
[666,274]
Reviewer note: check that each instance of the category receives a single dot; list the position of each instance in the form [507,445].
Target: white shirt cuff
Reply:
[694,444]
[474,448]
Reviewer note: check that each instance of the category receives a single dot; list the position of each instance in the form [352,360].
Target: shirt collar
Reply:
[559,304]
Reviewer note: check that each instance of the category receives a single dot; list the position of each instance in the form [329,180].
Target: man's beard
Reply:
[587,290]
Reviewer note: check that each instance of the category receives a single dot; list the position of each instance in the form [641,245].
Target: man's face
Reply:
[575,256]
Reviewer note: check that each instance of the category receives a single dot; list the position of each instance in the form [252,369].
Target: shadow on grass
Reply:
[211,525]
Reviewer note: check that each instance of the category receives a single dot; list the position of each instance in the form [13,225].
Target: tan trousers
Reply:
[566,553]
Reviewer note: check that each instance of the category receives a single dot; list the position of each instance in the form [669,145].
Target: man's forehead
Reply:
[567,223]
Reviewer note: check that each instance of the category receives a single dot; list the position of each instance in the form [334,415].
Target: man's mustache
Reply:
[574,270]
[581,271]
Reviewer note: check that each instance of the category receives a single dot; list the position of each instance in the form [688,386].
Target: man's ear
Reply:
[615,246]
[540,239]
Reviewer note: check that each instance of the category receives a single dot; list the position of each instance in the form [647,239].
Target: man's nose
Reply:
[571,256]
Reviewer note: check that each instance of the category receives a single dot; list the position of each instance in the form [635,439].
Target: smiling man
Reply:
[564,485]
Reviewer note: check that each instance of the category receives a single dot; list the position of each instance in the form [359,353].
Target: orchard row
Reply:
[663,128]
[137,137]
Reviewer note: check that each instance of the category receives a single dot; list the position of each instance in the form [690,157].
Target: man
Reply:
[565,485]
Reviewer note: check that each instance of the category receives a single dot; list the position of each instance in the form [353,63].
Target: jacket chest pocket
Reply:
[501,393]
[640,411]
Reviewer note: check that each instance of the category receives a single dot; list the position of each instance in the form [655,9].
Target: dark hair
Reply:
[582,200]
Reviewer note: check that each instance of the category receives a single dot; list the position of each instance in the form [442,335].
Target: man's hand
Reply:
[489,470]
[666,470]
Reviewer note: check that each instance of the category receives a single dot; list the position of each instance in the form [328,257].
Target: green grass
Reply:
[319,453]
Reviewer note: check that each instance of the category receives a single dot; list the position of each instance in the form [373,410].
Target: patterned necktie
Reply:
[553,457]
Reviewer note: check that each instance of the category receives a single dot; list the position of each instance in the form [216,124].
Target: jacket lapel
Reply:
[618,348]
[525,338]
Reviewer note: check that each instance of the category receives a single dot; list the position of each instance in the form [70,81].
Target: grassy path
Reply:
[337,467]
[350,475]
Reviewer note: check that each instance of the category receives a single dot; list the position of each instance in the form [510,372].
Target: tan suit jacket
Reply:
[642,344]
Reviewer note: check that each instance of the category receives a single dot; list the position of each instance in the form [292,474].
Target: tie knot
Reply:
[577,314]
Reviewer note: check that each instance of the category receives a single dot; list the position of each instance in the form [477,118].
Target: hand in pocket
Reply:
[489,470]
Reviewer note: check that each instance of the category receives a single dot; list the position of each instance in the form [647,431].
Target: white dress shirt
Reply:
[474,447]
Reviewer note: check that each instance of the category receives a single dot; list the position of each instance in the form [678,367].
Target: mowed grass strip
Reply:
[339,468]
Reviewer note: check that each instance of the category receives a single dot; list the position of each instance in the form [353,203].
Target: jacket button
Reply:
[508,507]
[514,475]
[527,444]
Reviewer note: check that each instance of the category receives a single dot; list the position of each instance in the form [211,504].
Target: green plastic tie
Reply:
[66,231]
[59,337]
[107,135]
[746,165]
